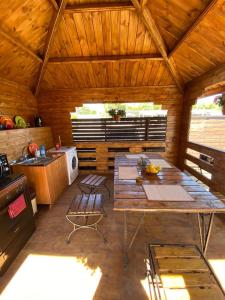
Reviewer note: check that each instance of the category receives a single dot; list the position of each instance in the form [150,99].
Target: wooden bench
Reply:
[93,183]
[181,272]
[86,211]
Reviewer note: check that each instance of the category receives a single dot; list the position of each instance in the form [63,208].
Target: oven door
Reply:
[10,227]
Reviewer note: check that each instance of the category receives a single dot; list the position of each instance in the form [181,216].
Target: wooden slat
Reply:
[194,26]
[182,265]
[98,7]
[185,280]
[151,128]
[98,203]
[202,164]
[91,204]
[108,58]
[151,26]
[174,251]
[206,150]
[19,44]
[198,176]
[197,293]
[49,42]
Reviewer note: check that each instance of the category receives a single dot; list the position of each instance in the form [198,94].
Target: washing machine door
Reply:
[73,167]
[74,163]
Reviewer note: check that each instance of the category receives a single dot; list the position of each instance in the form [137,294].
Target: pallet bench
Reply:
[86,211]
[178,271]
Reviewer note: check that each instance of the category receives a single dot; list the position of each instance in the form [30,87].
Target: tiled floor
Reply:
[48,268]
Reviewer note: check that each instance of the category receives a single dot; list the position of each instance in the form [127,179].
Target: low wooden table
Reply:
[131,197]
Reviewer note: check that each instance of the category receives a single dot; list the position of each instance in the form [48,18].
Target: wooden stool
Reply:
[175,271]
[86,211]
[93,183]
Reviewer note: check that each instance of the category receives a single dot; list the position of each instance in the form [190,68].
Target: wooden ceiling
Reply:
[101,43]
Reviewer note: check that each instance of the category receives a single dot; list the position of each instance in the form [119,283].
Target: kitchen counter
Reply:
[37,161]
[47,176]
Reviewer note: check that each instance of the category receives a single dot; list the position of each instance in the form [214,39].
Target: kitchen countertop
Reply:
[40,161]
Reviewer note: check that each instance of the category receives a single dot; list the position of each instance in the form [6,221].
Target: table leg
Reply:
[125,239]
[127,246]
[136,230]
[205,230]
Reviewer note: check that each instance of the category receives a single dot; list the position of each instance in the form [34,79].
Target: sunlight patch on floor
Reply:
[145,286]
[53,277]
[169,280]
[218,266]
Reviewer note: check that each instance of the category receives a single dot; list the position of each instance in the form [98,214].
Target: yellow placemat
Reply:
[128,173]
[166,193]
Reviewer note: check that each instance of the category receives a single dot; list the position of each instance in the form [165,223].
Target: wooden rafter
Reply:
[20,45]
[193,27]
[51,33]
[108,58]
[54,4]
[143,3]
[114,6]
[146,16]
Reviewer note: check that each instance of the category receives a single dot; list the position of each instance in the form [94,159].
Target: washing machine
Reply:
[72,161]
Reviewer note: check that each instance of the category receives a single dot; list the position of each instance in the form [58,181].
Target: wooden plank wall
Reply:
[17,100]
[55,107]
[99,156]
[203,129]
[211,174]
[13,141]
[208,84]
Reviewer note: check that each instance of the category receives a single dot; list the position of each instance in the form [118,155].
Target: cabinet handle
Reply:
[18,228]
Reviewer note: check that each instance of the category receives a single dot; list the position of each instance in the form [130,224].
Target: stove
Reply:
[14,230]
[7,180]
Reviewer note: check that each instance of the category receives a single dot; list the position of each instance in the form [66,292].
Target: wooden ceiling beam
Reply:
[146,17]
[20,45]
[143,3]
[193,27]
[108,58]
[116,6]
[54,4]
[49,42]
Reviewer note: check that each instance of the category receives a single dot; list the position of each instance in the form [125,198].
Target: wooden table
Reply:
[131,197]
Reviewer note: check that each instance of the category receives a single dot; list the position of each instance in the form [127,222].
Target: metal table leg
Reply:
[205,230]
[125,239]
[105,185]
[127,246]
[136,231]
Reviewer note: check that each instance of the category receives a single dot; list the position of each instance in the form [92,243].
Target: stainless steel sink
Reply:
[34,161]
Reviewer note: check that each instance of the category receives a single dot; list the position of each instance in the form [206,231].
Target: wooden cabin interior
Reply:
[57,56]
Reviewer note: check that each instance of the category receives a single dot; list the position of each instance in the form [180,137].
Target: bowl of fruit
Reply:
[152,169]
